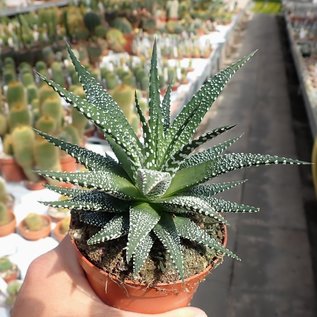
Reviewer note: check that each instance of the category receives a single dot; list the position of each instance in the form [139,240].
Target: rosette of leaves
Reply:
[155,189]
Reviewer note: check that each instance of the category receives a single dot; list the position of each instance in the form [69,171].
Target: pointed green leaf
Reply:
[103,118]
[142,220]
[142,253]
[185,204]
[69,192]
[166,108]
[173,163]
[100,98]
[209,154]
[155,114]
[208,190]
[125,161]
[91,160]
[189,230]
[190,176]
[194,111]
[222,205]
[145,127]
[166,232]
[112,184]
[114,229]
[93,200]
[233,161]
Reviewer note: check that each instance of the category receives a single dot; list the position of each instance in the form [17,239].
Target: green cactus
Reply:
[34,222]
[4,195]
[13,289]
[27,79]
[116,40]
[79,121]
[101,31]
[58,73]
[19,115]
[7,145]
[48,55]
[44,93]
[25,67]
[23,139]
[122,24]
[9,76]
[148,24]
[111,80]
[52,107]
[91,20]
[46,123]
[46,156]
[5,264]
[16,94]
[5,217]
[3,125]
[128,79]
[124,96]
[70,134]
[41,67]
[32,93]
[94,53]
[9,60]
[74,23]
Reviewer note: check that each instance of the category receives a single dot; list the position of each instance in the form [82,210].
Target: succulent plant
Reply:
[34,222]
[156,190]
[16,94]
[5,215]
[5,264]
[91,20]
[19,115]
[13,289]
[4,195]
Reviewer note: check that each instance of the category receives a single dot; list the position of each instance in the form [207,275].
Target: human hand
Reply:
[56,286]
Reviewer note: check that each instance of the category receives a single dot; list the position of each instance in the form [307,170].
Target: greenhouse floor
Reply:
[275,277]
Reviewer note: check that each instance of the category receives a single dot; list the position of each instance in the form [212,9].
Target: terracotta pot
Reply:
[140,298]
[11,275]
[10,170]
[68,163]
[9,228]
[35,235]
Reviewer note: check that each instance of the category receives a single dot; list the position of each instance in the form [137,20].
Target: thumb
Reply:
[184,312]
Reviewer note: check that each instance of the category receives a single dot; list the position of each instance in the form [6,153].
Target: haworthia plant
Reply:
[156,188]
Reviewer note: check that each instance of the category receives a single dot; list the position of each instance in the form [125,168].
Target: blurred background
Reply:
[272,100]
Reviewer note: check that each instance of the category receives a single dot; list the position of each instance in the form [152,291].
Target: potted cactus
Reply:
[13,289]
[7,217]
[8,270]
[35,226]
[147,227]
